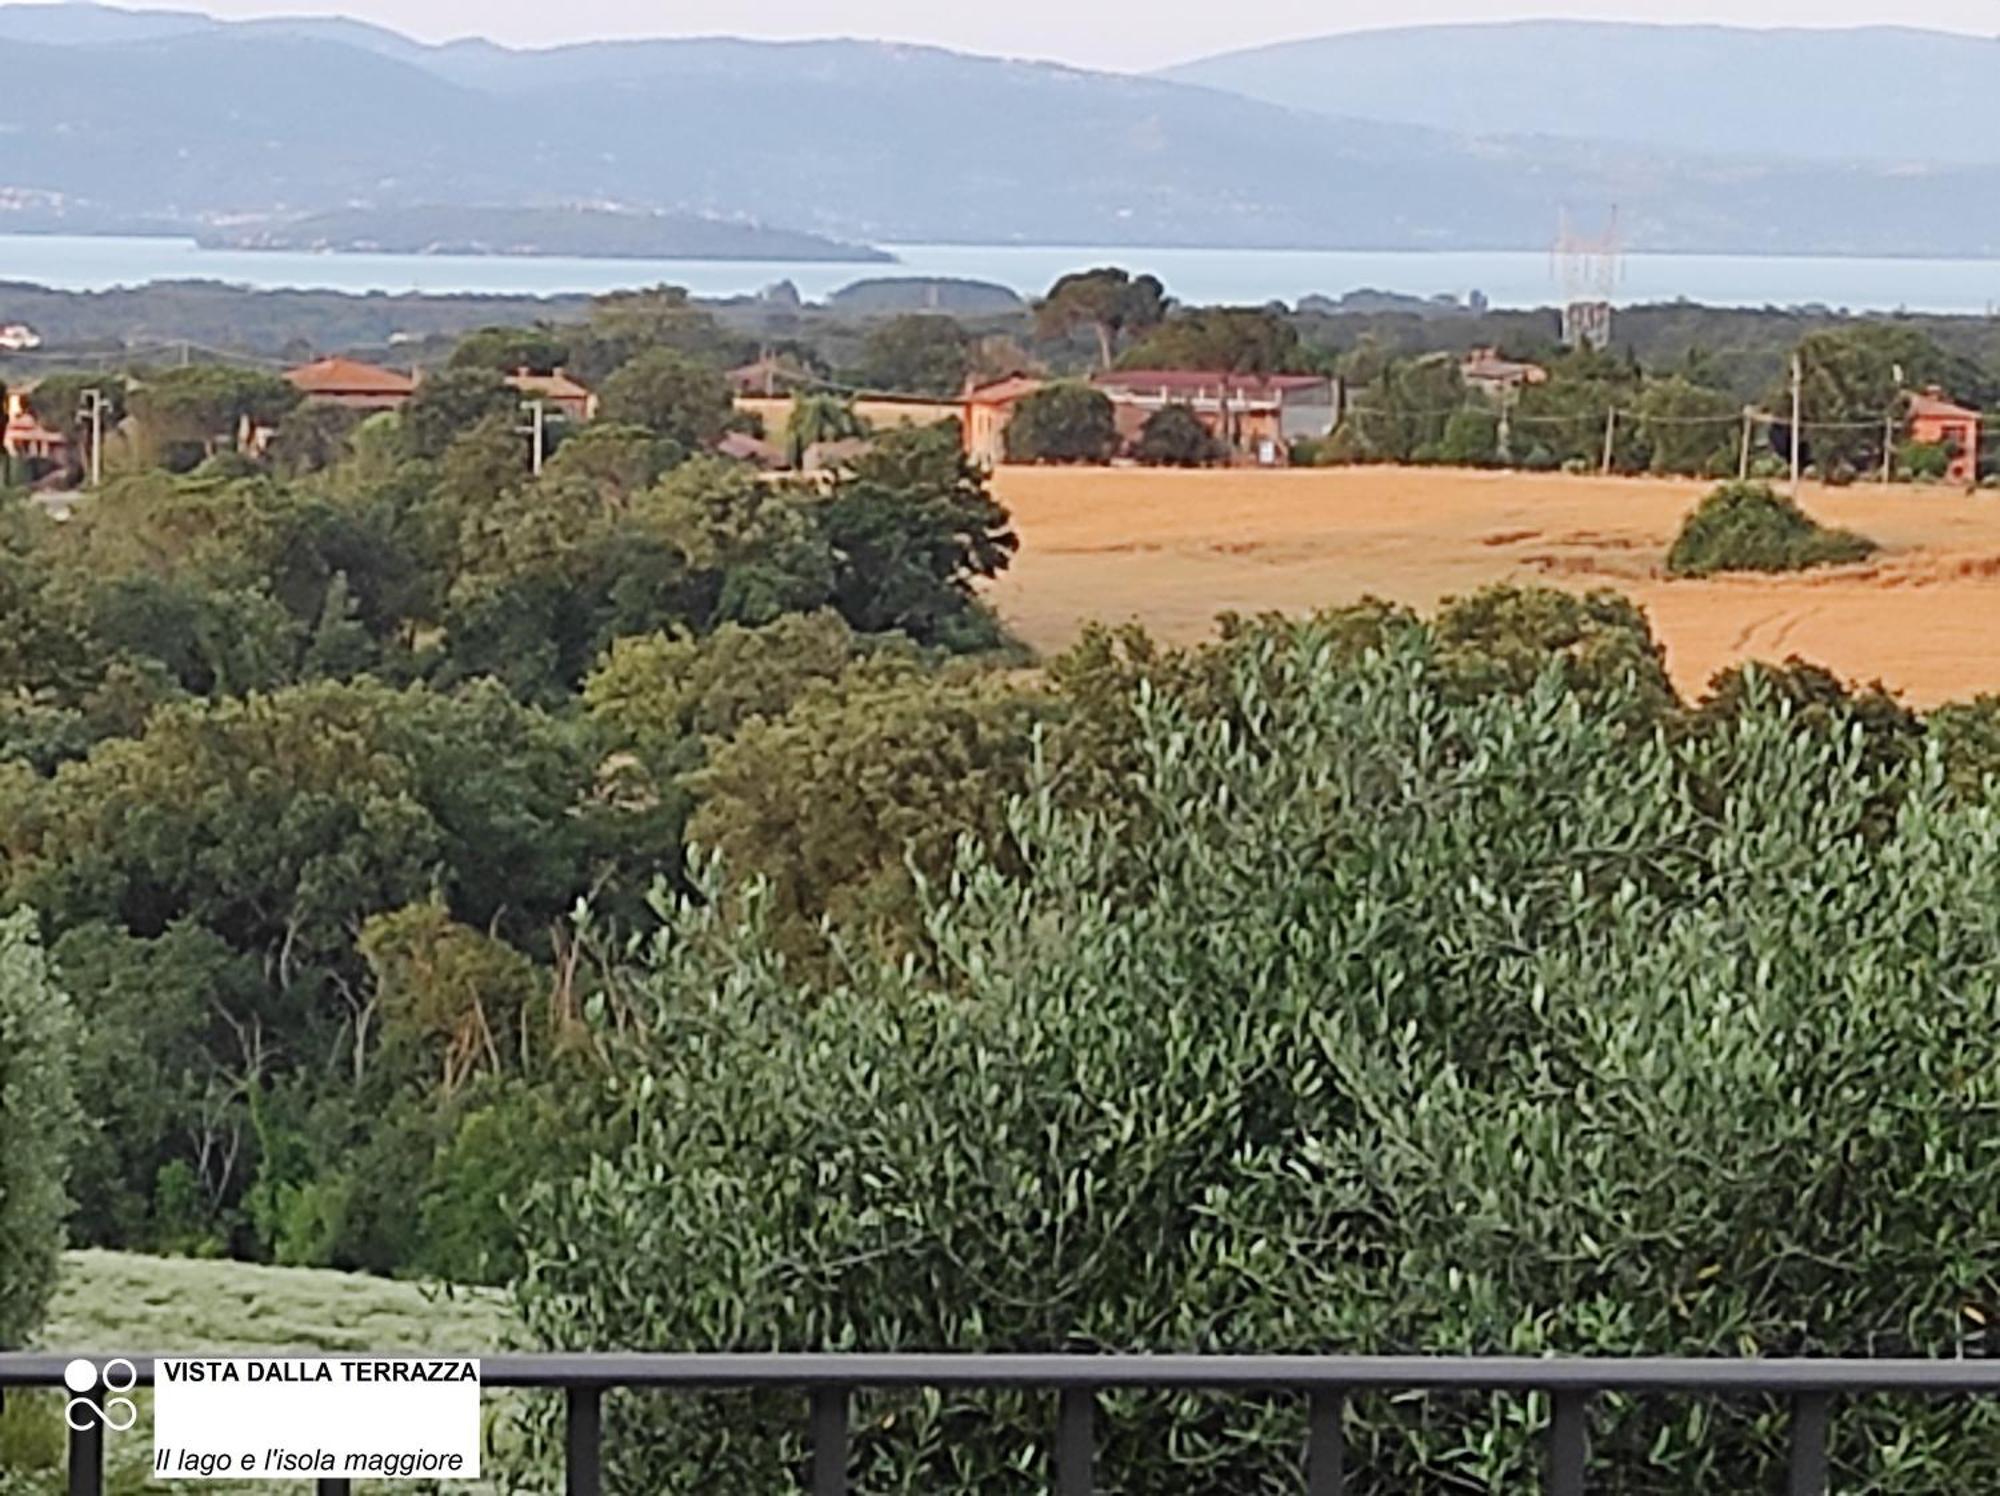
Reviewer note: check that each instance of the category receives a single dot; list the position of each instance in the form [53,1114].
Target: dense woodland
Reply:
[668,891]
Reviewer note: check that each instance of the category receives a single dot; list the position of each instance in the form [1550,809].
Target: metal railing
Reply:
[828,1384]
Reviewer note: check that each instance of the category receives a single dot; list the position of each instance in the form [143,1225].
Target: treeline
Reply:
[1603,411]
[307,759]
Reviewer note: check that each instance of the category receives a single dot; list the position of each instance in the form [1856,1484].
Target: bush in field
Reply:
[1751,527]
[1399,1017]
[1063,423]
[1174,436]
[1923,461]
[38,1126]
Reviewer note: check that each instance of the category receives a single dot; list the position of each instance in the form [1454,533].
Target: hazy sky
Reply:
[1093,33]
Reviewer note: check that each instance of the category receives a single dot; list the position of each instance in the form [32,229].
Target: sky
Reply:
[1117,34]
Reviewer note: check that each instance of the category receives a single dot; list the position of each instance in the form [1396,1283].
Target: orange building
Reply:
[25,437]
[988,409]
[349,382]
[1938,422]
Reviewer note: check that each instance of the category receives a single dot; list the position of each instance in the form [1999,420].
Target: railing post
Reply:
[1810,1475]
[829,1441]
[583,1443]
[1569,1443]
[86,1448]
[1075,1439]
[1326,1444]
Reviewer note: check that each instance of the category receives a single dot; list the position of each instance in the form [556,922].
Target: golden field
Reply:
[1174,549]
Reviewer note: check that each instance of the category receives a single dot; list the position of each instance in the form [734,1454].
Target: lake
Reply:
[1508,278]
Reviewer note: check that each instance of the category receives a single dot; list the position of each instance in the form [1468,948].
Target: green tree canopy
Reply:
[38,1123]
[1511,1035]
[1237,340]
[1066,422]
[1111,302]
[449,404]
[670,395]
[1174,436]
[918,353]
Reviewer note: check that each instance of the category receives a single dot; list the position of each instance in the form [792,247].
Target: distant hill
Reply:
[591,232]
[115,117]
[1888,93]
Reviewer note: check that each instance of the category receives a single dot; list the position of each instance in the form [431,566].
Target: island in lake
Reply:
[590,233]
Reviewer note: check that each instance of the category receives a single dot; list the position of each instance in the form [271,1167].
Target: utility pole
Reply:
[94,408]
[1889,430]
[1506,425]
[1798,408]
[1743,456]
[538,430]
[1610,435]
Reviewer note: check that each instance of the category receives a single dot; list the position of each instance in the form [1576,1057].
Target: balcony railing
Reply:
[828,1383]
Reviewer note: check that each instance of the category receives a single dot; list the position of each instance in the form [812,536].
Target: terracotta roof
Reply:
[1003,391]
[1486,363]
[1192,380]
[770,373]
[557,386]
[1934,404]
[746,448]
[347,376]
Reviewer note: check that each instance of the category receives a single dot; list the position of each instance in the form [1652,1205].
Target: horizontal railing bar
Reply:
[1205,1373]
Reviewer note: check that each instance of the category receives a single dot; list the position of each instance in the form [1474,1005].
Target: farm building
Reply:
[1937,421]
[1255,416]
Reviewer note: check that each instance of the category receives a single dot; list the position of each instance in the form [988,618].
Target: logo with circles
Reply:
[109,1406]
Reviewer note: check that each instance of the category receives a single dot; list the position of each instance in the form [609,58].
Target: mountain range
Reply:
[1882,93]
[1408,139]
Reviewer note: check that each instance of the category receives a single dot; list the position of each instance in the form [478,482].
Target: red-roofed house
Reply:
[1937,421]
[1256,416]
[349,382]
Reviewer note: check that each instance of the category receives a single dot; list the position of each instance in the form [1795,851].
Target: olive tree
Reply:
[1423,1021]
[38,1125]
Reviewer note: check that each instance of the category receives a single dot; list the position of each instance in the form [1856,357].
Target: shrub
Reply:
[1063,423]
[1416,1022]
[1174,436]
[1751,527]
[1923,460]
[1471,439]
[38,1126]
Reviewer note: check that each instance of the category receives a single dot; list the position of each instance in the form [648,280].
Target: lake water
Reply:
[1509,278]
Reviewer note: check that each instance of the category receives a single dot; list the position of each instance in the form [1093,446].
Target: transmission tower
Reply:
[1590,269]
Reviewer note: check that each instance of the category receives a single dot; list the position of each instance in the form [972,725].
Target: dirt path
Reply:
[1174,549]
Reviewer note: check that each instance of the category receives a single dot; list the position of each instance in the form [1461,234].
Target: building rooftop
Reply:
[1191,381]
[348,376]
[1485,365]
[1003,391]
[556,386]
[1933,403]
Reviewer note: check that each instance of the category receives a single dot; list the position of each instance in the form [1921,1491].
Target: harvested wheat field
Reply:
[1174,549]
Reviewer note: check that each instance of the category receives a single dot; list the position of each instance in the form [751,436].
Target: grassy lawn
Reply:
[110,1302]
[113,1301]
